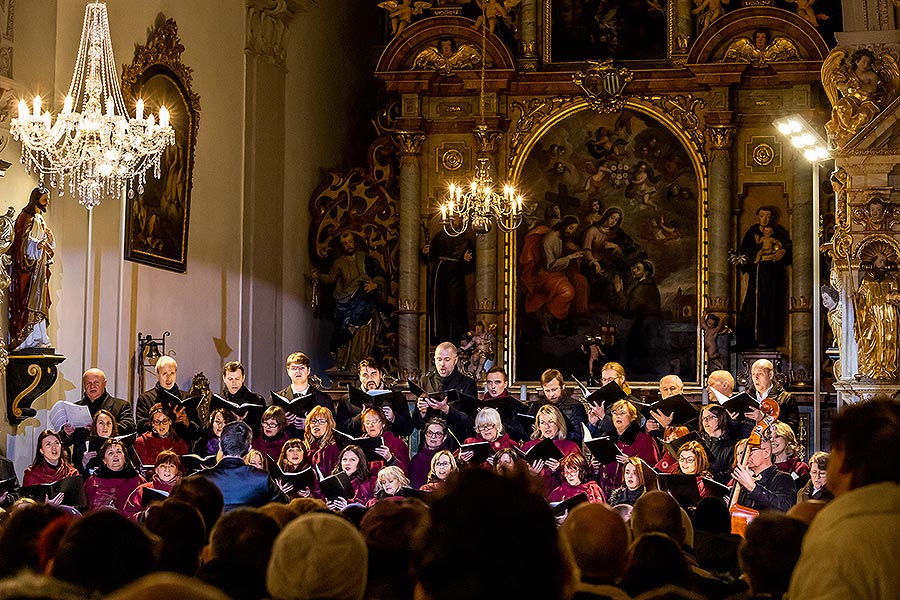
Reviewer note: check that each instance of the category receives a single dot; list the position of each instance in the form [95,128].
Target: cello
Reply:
[742,515]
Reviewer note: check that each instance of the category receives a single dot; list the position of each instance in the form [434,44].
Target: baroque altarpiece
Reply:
[668,225]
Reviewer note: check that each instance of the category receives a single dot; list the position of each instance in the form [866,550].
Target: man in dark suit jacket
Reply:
[240,484]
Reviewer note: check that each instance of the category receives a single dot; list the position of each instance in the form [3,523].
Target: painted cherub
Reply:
[708,11]
[494,10]
[401,12]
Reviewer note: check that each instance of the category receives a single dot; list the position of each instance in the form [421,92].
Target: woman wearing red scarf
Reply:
[116,479]
[167,471]
[50,463]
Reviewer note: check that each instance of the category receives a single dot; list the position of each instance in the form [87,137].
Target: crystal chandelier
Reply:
[93,143]
[478,204]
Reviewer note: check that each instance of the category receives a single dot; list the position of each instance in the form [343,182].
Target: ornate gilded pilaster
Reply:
[721,192]
[802,285]
[486,142]
[528,59]
[267,27]
[409,145]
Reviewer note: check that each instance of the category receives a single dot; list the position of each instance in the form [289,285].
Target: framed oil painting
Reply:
[157,218]
[608,265]
[578,30]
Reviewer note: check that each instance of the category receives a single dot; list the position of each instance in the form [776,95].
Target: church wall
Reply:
[205,308]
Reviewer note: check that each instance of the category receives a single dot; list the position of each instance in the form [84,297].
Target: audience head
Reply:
[318,555]
[235,439]
[233,376]
[673,432]
[166,372]
[125,550]
[549,423]
[281,513]
[864,442]
[613,371]
[182,532]
[445,357]
[712,516]
[301,506]
[388,529]
[457,554]
[598,540]
[19,537]
[769,552]
[202,494]
[168,585]
[655,560]
[658,512]
[806,511]
[244,536]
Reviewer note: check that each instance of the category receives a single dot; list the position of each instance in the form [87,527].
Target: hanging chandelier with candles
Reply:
[93,144]
[478,204]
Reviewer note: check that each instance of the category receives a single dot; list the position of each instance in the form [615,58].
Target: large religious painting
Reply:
[607,265]
[157,217]
[579,30]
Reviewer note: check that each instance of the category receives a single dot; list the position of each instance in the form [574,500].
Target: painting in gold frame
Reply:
[157,219]
[635,167]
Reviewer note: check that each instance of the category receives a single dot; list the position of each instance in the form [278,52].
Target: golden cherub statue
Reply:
[401,12]
[858,86]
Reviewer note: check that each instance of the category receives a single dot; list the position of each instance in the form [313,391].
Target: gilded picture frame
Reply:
[556,152]
[157,218]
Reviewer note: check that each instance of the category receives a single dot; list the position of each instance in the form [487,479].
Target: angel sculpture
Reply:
[401,12]
[761,51]
[866,85]
[494,10]
[447,58]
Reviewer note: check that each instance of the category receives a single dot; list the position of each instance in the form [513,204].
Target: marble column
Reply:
[721,192]
[409,144]
[486,244]
[802,294]
[528,24]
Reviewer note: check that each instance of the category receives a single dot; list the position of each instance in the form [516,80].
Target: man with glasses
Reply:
[297,366]
[432,441]
[763,486]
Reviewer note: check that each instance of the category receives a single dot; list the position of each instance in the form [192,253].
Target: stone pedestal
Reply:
[852,391]
[29,374]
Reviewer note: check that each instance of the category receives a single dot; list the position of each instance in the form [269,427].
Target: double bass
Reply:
[742,515]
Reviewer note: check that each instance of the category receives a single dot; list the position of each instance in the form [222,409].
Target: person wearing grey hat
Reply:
[318,555]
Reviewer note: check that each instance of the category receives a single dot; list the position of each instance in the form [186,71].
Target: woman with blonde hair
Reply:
[786,453]
[443,464]
[319,437]
[390,482]
[549,424]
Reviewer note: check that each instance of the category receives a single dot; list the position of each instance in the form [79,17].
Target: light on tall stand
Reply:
[814,149]
[478,204]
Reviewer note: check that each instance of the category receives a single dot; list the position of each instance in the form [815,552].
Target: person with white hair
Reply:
[186,422]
